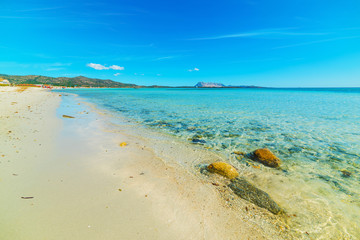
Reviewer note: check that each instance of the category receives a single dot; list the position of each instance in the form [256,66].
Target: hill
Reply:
[79,81]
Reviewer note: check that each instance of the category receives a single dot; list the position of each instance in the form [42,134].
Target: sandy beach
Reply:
[69,178]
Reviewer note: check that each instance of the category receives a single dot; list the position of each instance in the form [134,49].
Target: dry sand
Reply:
[81,184]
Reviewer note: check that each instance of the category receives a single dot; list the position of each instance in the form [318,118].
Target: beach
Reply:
[69,178]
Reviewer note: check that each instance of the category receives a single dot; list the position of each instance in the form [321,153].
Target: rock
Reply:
[200,141]
[266,157]
[249,192]
[223,169]
[238,153]
[67,116]
[345,173]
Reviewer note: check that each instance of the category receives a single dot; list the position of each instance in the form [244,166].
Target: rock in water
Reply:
[346,173]
[247,191]
[266,157]
[223,169]
[200,141]
[67,116]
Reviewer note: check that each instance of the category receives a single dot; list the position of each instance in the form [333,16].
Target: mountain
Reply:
[209,85]
[79,81]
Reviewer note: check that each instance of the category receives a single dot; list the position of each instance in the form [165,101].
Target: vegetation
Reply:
[79,81]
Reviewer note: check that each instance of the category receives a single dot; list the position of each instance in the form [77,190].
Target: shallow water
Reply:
[316,133]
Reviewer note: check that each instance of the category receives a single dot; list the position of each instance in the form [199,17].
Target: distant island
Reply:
[85,82]
[219,85]
[209,85]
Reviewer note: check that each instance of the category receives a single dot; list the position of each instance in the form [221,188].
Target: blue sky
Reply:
[297,43]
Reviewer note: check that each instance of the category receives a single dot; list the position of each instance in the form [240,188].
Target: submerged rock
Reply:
[266,157]
[200,141]
[345,173]
[249,192]
[223,169]
[238,153]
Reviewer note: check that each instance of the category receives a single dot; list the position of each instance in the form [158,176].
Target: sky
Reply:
[278,43]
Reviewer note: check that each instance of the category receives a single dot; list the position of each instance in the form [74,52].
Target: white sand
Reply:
[74,168]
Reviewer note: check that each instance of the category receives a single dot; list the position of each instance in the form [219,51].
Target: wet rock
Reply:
[249,192]
[199,141]
[238,153]
[224,145]
[266,157]
[223,169]
[197,138]
[67,116]
[345,173]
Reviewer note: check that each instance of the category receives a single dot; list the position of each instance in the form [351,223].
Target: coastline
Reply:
[85,186]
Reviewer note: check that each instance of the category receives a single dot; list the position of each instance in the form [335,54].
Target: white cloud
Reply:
[39,9]
[54,69]
[117,74]
[102,67]
[274,32]
[97,66]
[194,69]
[164,58]
[314,42]
[116,67]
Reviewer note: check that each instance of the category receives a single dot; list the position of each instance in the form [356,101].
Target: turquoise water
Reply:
[316,133]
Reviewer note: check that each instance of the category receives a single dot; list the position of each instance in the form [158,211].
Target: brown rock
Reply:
[67,116]
[266,157]
[223,169]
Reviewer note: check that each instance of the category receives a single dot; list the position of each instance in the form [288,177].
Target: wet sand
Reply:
[68,178]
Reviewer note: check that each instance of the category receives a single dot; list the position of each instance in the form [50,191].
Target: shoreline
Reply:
[99,190]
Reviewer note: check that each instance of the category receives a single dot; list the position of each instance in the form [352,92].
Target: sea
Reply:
[314,131]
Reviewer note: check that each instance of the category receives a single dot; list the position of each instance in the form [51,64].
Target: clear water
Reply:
[316,133]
